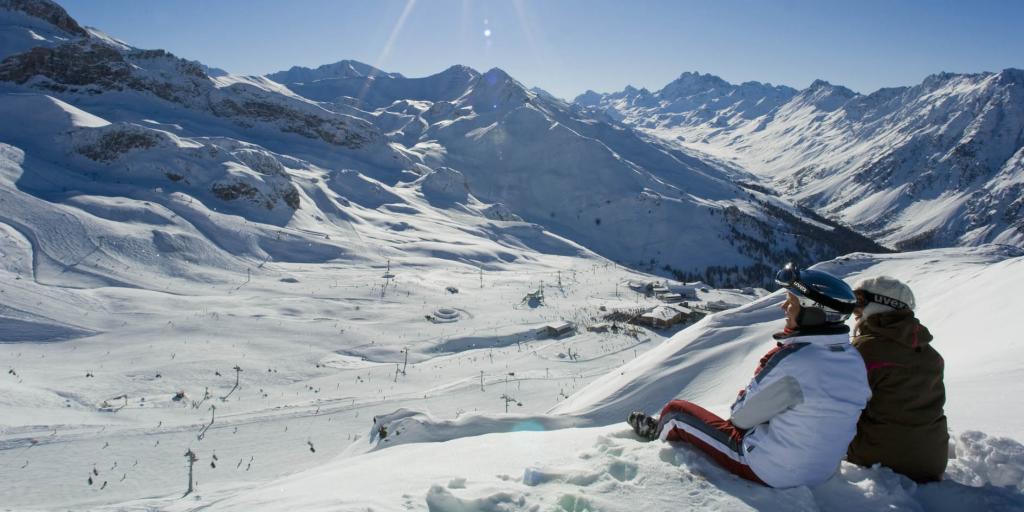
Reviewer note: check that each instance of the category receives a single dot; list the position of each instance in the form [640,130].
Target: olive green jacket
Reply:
[903,426]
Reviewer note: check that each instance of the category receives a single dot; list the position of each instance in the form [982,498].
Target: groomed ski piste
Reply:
[530,463]
[323,370]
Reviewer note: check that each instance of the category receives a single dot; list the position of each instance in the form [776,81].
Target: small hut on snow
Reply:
[555,329]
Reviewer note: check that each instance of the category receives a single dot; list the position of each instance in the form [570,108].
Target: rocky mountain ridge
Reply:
[932,165]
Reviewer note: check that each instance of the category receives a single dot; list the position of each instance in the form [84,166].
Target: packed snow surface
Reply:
[322,355]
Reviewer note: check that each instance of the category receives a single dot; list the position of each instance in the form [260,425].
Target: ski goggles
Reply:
[789,278]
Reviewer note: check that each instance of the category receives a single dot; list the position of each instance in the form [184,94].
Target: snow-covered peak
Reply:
[364,89]
[692,99]
[102,68]
[26,24]
[694,83]
[340,69]
[936,80]
[589,98]
[108,39]
[825,96]
[690,83]
[460,71]
[1011,76]
[48,11]
[631,94]
[213,72]
[495,90]
[496,76]
[545,94]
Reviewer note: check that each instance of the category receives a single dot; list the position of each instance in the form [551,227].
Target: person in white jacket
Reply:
[793,422]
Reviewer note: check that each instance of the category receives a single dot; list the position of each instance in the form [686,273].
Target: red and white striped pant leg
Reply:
[719,439]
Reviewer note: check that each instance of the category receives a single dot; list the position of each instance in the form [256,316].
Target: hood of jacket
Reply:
[897,326]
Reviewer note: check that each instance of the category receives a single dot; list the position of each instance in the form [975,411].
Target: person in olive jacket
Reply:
[903,426]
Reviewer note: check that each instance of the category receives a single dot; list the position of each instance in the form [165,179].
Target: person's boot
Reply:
[644,425]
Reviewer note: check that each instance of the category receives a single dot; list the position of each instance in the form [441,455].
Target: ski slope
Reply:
[322,373]
[526,466]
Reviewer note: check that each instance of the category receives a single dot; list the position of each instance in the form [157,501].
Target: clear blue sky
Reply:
[568,46]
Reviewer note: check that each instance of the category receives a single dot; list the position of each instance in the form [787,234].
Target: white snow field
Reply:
[321,353]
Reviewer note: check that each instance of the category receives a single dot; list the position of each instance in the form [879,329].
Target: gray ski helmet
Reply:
[817,289]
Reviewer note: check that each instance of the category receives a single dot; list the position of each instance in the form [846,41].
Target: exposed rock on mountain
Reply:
[47,11]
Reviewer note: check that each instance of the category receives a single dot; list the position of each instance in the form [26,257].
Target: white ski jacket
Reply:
[801,409]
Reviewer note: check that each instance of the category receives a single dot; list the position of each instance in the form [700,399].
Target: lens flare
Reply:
[396,31]
[386,50]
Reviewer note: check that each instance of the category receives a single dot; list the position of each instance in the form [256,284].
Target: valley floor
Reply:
[93,420]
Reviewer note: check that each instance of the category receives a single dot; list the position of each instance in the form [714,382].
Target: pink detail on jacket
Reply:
[875,365]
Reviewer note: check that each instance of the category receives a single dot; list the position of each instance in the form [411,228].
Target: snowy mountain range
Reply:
[933,165]
[491,148]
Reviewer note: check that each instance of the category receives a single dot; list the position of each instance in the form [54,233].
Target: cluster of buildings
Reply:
[675,308]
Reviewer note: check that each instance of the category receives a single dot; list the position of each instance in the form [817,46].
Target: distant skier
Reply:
[903,426]
[792,424]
